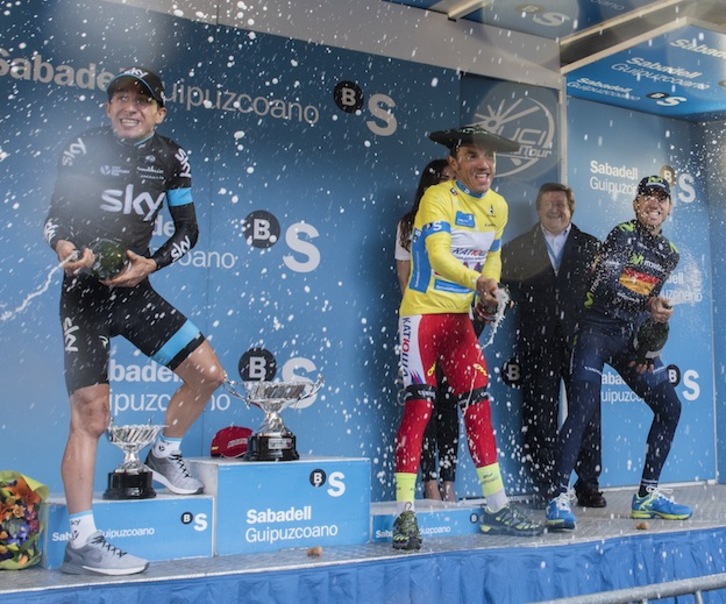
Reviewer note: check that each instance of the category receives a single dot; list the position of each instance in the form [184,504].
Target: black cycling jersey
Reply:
[111,188]
[632,266]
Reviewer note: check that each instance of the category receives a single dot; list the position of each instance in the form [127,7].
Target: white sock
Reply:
[83,526]
[164,446]
[497,501]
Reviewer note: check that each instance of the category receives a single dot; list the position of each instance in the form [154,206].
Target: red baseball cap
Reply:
[230,442]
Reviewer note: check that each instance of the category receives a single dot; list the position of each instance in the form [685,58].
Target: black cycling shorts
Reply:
[91,314]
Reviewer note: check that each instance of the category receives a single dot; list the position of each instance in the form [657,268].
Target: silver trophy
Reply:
[273,441]
[132,479]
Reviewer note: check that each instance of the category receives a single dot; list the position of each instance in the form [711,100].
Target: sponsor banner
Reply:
[164,528]
[677,74]
[713,138]
[303,159]
[268,506]
[524,114]
[546,19]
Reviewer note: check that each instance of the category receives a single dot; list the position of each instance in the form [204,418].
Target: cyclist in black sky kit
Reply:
[111,184]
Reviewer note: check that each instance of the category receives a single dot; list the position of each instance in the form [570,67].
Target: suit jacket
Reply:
[546,300]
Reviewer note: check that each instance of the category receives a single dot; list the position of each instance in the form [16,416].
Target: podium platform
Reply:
[246,508]
[607,552]
[266,506]
[163,528]
[435,519]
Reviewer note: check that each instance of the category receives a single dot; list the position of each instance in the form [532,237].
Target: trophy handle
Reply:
[229,386]
[313,388]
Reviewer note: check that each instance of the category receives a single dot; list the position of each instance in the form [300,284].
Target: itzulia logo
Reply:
[525,120]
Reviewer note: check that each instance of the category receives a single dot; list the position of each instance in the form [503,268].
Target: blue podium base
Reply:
[247,507]
[268,506]
[163,528]
[435,519]
[606,552]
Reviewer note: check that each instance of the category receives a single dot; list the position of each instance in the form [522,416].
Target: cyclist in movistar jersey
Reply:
[631,268]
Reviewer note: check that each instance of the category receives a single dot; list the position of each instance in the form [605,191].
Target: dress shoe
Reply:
[591,499]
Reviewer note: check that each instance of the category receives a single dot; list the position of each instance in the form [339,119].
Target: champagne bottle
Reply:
[110,258]
[489,312]
[649,341]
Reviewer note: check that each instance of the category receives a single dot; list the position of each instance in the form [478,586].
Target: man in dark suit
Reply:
[548,271]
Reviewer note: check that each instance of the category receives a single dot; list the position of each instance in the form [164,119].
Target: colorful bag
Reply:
[21,500]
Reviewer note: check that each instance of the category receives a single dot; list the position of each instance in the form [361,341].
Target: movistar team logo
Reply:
[527,120]
[636,259]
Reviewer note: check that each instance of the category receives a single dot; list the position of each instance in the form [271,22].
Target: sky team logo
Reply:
[522,118]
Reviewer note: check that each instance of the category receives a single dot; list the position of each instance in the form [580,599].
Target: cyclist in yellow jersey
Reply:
[459,233]
[455,254]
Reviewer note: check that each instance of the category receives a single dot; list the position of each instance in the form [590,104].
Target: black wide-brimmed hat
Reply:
[473,135]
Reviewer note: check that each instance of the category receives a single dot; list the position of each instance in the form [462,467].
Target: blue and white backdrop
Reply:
[304,156]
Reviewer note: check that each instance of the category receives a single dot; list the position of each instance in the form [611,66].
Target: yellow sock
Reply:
[405,489]
[492,486]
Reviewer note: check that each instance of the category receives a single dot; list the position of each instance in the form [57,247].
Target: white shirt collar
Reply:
[555,243]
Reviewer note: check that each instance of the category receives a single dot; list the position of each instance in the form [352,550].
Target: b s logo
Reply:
[349,97]
[335,482]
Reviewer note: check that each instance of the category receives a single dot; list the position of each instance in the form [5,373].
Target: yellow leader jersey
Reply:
[457,237]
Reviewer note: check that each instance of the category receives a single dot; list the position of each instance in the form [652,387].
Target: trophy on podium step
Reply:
[273,441]
[132,479]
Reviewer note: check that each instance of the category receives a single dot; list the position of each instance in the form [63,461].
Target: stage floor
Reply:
[594,525]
